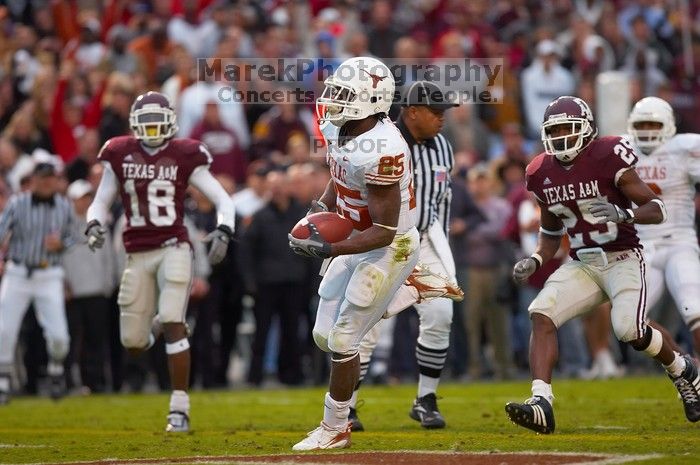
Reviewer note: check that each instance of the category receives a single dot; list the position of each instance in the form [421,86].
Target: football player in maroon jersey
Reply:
[585,187]
[151,172]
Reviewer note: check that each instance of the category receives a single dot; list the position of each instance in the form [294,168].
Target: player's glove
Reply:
[606,211]
[524,268]
[95,233]
[219,238]
[313,246]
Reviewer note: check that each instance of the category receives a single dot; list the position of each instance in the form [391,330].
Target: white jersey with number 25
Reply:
[379,156]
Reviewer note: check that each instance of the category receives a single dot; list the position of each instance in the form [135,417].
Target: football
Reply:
[331,226]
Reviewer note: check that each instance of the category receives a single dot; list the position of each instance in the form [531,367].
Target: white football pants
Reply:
[435,314]
[678,267]
[45,289]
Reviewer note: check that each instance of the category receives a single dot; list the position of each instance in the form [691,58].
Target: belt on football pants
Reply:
[31,268]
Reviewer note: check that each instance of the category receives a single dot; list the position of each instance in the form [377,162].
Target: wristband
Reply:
[538,260]
[226,230]
[90,225]
[630,216]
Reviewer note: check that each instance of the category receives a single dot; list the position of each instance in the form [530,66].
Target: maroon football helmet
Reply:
[576,113]
[152,119]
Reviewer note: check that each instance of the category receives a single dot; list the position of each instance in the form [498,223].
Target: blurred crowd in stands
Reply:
[70,70]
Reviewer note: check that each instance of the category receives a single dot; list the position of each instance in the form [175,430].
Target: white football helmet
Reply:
[360,87]
[651,109]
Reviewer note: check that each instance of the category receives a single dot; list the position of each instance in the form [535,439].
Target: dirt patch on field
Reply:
[385,458]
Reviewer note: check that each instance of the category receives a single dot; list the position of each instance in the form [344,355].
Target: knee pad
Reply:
[128,288]
[341,343]
[321,341]
[174,294]
[625,327]
[365,284]
[135,338]
[650,343]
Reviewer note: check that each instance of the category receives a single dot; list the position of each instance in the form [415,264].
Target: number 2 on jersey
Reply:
[161,203]
[570,219]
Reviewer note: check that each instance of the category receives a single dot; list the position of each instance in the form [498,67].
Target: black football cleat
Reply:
[425,410]
[535,413]
[57,387]
[688,385]
[355,423]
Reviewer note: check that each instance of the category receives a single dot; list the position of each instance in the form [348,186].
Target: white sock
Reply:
[677,366]
[180,402]
[335,414]
[54,368]
[353,399]
[426,385]
[542,389]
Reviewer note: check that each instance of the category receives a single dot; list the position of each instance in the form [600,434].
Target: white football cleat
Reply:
[325,437]
[431,285]
[178,422]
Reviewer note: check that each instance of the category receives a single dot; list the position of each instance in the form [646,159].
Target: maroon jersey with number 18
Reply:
[153,187]
[567,191]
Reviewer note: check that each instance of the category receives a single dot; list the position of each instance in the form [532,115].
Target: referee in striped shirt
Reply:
[420,121]
[39,224]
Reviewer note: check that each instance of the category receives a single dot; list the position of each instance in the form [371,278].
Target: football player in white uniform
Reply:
[671,167]
[371,185]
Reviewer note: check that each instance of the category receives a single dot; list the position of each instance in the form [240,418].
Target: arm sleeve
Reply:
[7,218]
[203,180]
[106,192]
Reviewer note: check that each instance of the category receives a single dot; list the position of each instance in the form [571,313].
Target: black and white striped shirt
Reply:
[29,221]
[433,161]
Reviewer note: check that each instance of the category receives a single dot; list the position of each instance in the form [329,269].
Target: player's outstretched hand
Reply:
[523,269]
[313,246]
[219,238]
[95,233]
[606,211]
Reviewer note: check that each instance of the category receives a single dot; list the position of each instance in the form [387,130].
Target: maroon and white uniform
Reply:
[567,191]
[153,188]
[608,263]
[152,183]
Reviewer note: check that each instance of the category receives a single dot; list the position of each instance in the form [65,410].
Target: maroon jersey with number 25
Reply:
[567,192]
[153,187]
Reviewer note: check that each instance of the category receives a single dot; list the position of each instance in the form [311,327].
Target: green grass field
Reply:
[629,416]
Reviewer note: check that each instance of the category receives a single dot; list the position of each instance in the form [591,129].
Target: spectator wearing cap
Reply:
[40,224]
[543,81]
[90,280]
[485,268]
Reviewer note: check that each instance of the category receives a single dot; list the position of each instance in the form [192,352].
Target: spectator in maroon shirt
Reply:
[228,156]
